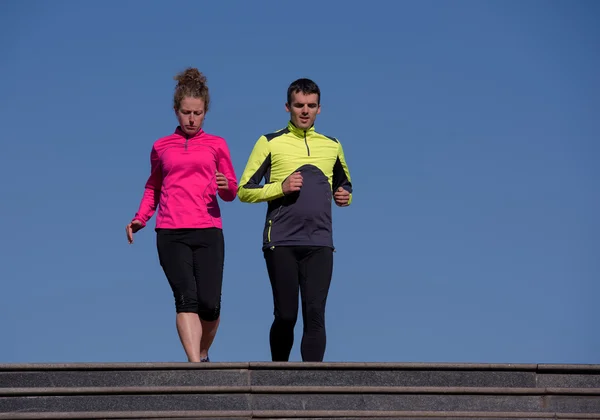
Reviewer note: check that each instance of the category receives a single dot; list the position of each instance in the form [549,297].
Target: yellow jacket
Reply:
[304,217]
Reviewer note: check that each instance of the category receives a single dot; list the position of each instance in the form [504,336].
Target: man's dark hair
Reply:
[306,86]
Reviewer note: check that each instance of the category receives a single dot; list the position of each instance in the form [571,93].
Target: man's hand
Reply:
[341,197]
[292,183]
[132,228]
[222,182]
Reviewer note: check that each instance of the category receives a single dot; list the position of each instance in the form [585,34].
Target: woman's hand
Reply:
[132,228]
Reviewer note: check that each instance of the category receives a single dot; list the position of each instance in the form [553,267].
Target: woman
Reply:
[188,169]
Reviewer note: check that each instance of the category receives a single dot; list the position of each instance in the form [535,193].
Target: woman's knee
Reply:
[186,302]
[209,311]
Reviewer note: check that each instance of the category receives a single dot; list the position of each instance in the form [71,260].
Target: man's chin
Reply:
[303,125]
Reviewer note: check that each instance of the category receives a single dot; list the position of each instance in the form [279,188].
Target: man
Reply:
[302,169]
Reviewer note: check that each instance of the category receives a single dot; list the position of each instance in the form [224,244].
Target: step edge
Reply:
[243,414]
[294,414]
[6,367]
[318,389]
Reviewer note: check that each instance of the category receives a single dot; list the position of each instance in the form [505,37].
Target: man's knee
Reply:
[315,316]
[286,319]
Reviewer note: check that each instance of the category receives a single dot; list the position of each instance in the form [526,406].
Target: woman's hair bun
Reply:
[190,76]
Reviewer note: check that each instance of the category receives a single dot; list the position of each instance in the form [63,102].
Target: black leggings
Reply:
[308,270]
[192,260]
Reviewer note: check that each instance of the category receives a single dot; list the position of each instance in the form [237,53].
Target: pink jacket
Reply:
[183,184]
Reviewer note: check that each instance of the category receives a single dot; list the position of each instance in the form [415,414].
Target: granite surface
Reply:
[401,402]
[180,402]
[575,380]
[117,378]
[392,378]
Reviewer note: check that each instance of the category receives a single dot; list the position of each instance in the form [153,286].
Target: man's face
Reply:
[303,109]
[191,115]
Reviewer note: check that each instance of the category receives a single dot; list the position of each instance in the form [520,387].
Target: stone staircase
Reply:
[341,391]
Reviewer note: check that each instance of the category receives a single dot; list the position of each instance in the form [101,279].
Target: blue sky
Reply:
[472,132]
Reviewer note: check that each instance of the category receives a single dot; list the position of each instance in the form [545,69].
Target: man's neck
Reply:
[301,132]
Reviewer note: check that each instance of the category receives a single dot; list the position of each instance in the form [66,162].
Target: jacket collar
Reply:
[299,131]
[180,132]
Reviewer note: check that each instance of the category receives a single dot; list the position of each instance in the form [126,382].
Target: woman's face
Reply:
[191,115]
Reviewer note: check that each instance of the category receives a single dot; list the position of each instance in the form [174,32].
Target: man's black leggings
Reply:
[307,270]
[192,260]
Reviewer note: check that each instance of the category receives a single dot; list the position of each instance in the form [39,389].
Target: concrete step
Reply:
[299,374]
[299,390]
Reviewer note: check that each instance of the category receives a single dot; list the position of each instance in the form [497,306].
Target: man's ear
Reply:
[287,107]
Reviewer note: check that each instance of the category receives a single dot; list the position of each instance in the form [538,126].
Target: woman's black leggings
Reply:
[192,260]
